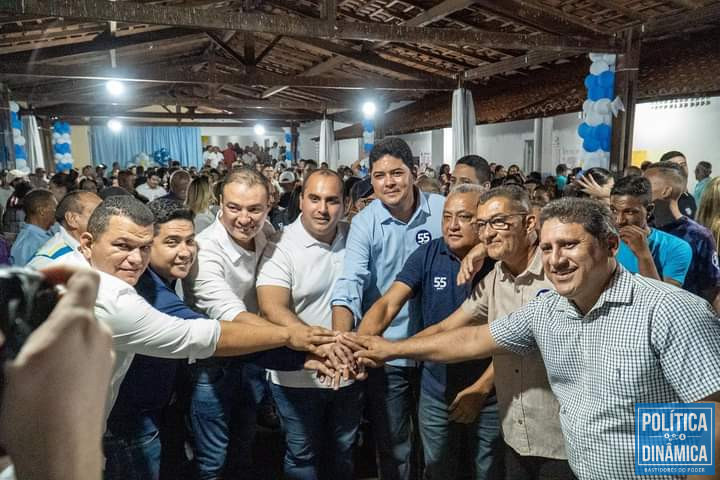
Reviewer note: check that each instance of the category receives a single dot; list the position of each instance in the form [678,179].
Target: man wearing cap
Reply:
[287,184]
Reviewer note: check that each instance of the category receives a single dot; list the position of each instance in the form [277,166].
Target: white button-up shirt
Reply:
[139,328]
[222,283]
[309,268]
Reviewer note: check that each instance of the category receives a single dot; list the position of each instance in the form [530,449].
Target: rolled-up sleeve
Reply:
[210,289]
[514,332]
[349,288]
[139,328]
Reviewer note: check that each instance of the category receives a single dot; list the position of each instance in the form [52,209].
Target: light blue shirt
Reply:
[699,189]
[28,241]
[672,255]
[377,247]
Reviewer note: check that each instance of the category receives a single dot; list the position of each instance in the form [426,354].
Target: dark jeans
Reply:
[320,427]
[518,467]
[222,407]
[392,404]
[132,456]
[445,442]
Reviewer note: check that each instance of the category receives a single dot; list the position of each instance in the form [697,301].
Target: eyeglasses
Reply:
[499,222]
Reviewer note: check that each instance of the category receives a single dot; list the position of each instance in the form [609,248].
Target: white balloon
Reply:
[607,119]
[609,58]
[593,119]
[596,68]
[67,157]
[66,136]
[16,132]
[588,106]
[56,135]
[19,141]
[602,106]
[14,107]
[58,157]
[594,57]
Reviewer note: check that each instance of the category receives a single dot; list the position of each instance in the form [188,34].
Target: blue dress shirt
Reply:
[377,247]
[28,241]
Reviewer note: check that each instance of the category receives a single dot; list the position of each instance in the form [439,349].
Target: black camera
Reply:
[26,300]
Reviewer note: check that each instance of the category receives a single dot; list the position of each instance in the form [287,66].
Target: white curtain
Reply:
[327,143]
[463,124]
[33,143]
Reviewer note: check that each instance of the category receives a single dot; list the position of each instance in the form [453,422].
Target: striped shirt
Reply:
[644,341]
[60,249]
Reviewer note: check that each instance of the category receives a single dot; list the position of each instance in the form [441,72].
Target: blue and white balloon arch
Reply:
[18,139]
[62,153]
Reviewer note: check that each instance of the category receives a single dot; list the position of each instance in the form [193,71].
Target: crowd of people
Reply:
[482,321]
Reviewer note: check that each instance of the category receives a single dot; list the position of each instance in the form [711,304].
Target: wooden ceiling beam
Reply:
[164,75]
[620,7]
[209,19]
[61,110]
[699,16]
[268,49]
[504,66]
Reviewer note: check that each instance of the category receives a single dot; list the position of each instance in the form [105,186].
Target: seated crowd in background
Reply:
[409,259]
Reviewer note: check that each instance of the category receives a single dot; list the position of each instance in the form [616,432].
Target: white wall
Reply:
[695,131]
[504,143]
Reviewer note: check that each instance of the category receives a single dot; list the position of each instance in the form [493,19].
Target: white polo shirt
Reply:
[60,249]
[151,193]
[137,327]
[222,283]
[309,269]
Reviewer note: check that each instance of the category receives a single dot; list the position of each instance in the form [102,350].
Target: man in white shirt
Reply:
[72,215]
[223,285]
[151,189]
[294,286]
[117,244]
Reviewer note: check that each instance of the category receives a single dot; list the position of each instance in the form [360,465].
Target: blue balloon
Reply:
[62,148]
[584,130]
[591,81]
[16,123]
[591,144]
[596,93]
[608,92]
[20,152]
[368,125]
[603,132]
[605,144]
[368,146]
[288,138]
[606,79]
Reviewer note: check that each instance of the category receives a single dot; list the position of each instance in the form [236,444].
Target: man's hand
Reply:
[591,187]
[53,403]
[467,405]
[373,351]
[471,263]
[305,338]
[635,238]
[323,370]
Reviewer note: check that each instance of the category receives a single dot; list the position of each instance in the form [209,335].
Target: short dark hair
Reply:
[673,173]
[71,202]
[167,209]
[706,167]
[482,169]
[119,206]
[671,154]
[517,195]
[36,201]
[560,169]
[248,177]
[602,176]
[594,216]
[63,180]
[634,186]
[395,147]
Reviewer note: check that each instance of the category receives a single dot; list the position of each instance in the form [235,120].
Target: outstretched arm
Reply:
[381,314]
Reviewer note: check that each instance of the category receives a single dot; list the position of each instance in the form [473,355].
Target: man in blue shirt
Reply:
[132,440]
[382,237]
[703,277]
[645,250]
[458,400]
[39,206]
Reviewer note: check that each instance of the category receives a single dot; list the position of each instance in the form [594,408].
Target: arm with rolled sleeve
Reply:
[210,290]
[685,334]
[514,332]
[349,288]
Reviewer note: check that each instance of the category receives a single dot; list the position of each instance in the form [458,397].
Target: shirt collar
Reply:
[230,246]
[535,267]
[307,239]
[34,229]
[158,279]
[423,206]
[68,239]
[618,291]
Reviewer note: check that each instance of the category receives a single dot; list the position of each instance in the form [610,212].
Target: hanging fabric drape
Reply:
[463,124]
[182,143]
[327,143]
[33,143]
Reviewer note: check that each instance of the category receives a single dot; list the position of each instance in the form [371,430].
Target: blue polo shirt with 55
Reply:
[431,273]
[376,250]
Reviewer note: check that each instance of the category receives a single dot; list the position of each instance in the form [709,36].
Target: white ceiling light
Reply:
[114,125]
[259,130]
[369,109]
[115,87]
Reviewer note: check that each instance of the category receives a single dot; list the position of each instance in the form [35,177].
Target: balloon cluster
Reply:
[18,139]
[596,129]
[161,157]
[288,144]
[368,134]
[61,146]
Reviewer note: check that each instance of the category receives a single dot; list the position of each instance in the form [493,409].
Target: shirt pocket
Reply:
[625,374]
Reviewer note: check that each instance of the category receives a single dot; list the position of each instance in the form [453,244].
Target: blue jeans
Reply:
[443,441]
[392,403]
[221,408]
[320,427]
[132,456]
